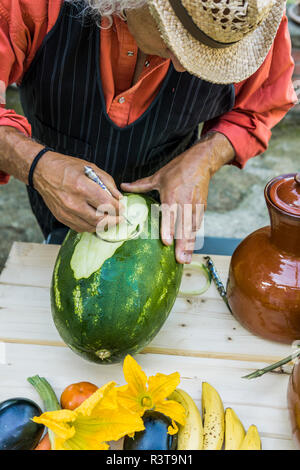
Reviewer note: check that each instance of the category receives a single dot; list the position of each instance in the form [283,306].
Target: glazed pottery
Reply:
[264,278]
[293,399]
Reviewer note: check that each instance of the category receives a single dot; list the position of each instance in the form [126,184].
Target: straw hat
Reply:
[221,41]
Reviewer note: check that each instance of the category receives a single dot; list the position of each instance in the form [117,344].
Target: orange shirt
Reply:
[261,100]
[118,53]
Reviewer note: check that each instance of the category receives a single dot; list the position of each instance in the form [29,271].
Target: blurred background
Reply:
[236,204]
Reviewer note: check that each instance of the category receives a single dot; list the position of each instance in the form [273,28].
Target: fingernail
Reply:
[185,257]
[188,258]
[167,240]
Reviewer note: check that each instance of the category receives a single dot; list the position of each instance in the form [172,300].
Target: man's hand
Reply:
[72,197]
[183,185]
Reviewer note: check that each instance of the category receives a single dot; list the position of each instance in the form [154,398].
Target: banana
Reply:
[213,418]
[190,436]
[252,440]
[234,430]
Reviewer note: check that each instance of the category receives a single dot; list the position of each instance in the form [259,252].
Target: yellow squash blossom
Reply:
[99,419]
[142,393]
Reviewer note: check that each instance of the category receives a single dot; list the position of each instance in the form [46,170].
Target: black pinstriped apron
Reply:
[63,99]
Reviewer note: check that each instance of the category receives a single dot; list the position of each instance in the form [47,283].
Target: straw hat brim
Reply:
[221,66]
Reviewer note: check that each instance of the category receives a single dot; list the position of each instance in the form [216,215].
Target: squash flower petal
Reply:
[161,385]
[173,429]
[59,422]
[173,409]
[97,420]
[134,375]
[72,444]
[141,394]
[104,396]
[110,425]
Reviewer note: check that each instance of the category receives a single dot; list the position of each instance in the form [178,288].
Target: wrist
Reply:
[17,152]
[216,149]
[42,171]
[34,164]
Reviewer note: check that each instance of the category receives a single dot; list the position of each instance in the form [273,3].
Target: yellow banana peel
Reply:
[252,439]
[190,436]
[213,418]
[234,430]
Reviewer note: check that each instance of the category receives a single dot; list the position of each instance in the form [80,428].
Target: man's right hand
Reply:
[72,197]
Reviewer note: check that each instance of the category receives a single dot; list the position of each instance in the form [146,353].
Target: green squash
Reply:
[111,298]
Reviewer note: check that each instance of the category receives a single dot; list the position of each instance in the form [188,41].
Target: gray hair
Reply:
[106,8]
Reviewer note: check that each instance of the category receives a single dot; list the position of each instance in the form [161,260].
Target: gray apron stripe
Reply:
[53,78]
[116,149]
[127,156]
[60,77]
[172,104]
[106,164]
[140,155]
[74,80]
[193,104]
[91,111]
[154,129]
[86,92]
[214,104]
[186,102]
[98,139]
[42,74]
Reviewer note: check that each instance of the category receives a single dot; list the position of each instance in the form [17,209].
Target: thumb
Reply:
[142,185]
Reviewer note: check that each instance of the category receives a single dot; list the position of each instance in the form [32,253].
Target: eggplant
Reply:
[17,430]
[155,435]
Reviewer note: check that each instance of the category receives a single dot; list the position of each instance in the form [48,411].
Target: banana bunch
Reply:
[219,429]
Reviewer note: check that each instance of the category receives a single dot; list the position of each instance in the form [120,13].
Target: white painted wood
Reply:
[37,262]
[261,402]
[200,339]
[277,444]
[198,326]
[30,264]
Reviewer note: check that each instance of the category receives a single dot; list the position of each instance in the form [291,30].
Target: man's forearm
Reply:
[16,153]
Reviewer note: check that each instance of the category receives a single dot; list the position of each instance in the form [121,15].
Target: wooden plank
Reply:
[196,327]
[277,444]
[200,333]
[31,264]
[32,254]
[262,402]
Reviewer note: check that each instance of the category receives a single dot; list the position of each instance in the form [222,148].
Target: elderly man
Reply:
[124,85]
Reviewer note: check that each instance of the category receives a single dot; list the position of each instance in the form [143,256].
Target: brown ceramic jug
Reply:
[293,399]
[264,277]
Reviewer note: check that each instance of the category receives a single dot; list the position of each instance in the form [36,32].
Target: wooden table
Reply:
[200,339]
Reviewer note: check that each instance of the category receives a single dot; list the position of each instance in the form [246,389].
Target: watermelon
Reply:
[112,292]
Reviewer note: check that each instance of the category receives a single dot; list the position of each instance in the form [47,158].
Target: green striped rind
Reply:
[121,307]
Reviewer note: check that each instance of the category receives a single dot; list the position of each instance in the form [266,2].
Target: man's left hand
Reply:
[183,186]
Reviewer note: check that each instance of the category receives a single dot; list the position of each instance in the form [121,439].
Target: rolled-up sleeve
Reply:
[8,117]
[261,102]
[23,26]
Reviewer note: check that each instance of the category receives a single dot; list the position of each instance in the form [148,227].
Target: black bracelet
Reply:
[34,164]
